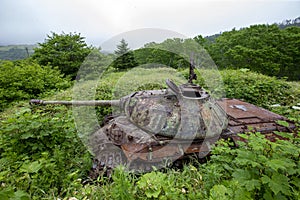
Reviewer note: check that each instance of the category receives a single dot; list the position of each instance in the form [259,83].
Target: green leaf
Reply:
[152,183]
[268,195]
[283,123]
[285,135]
[27,135]
[296,181]
[246,158]
[265,179]
[242,193]
[241,175]
[20,195]
[276,164]
[252,185]
[278,183]
[244,136]
[219,192]
[153,193]
[32,167]
[6,193]
[279,196]
[244,70]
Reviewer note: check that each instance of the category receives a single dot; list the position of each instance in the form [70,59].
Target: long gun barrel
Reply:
[78,103]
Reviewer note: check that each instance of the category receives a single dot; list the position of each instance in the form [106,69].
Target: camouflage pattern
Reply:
[164,113]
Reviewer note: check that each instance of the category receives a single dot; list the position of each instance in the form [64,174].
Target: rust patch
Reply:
[231,106]
[245,117]
[174,150]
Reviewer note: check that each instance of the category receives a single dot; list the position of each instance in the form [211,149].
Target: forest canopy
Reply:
[266,49]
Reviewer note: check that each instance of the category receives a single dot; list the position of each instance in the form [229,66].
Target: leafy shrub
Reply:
[258,169]
[41,154]
[255,88]
[22,80]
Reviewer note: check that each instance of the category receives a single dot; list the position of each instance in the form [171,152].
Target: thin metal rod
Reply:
[78,103]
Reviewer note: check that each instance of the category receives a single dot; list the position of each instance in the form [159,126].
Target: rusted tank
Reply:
[159,127]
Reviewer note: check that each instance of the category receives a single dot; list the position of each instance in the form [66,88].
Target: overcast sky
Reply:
[29,21]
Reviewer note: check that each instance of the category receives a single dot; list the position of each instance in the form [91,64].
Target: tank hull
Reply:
[119,141]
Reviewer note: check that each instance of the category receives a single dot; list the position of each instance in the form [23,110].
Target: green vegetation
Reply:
[43,157]
[65,51]
[37,153]
[124,57]
[259,169]
[265,49]
[174,52]
[262,48]
[22,80]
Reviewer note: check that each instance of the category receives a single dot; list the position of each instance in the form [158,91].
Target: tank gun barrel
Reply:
[78,103]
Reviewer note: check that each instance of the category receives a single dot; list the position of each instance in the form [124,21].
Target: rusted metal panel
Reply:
[242,110]
[246,117]
[157,153]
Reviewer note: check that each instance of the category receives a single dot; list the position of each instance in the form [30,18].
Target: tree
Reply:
[266,49]
[65,51]
[175,53]
[122,48]
[125,57]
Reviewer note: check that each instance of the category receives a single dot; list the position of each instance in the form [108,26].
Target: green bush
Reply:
[41,154]
[255,88]
[258,169]
[22,80]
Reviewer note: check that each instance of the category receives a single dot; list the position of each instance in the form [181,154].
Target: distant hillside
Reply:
[282,25]
[16,52]
[212,38]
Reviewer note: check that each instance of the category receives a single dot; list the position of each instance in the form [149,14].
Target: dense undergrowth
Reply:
[25,79]
[42,156]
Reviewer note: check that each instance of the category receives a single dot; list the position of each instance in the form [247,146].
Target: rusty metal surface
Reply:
[173,150]
[245,117]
